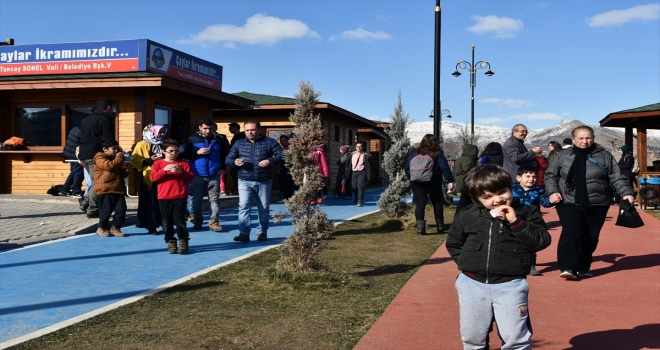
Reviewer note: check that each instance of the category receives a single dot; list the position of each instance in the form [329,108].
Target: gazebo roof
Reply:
[647,116]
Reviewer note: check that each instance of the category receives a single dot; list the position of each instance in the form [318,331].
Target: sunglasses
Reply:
[172,152]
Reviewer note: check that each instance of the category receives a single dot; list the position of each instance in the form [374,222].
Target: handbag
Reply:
[628,216]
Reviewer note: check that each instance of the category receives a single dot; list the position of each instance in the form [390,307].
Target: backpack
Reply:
[635,168]
[421,168]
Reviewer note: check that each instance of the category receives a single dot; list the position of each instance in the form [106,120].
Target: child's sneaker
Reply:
[183,246]
[171,247]
[116,231]
[214,225]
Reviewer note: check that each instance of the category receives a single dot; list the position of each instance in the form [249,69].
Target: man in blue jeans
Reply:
[254,156]
[206,153]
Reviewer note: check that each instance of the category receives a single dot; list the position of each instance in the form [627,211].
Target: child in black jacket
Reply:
[491,242]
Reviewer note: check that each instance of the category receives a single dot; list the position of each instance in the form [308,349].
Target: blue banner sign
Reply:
[106,57]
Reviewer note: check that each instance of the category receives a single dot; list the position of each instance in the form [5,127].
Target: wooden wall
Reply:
[45,170]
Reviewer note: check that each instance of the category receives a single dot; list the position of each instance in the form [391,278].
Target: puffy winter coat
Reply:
[491,250]
[72,141]
[94,130]
[599,177]
[464,163]
[535,196]
[206,164]
[626,163]
[108,174]
[263,148]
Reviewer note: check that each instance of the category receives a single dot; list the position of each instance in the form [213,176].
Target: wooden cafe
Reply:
[47,89]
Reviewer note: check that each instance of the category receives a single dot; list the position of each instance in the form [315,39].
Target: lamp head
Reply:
[489,73]
[456,73]
[448,115]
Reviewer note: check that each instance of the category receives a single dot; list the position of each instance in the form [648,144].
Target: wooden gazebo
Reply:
[642,119]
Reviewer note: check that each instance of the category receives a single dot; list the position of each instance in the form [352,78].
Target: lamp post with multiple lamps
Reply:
[472,67]
[442,112]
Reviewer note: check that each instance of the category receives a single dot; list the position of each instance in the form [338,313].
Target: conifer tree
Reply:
[310,223]
[391,201]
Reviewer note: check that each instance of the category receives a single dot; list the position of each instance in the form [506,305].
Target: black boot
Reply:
[421,227]
[441,225]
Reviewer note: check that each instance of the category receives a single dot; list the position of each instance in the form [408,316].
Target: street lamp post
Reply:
[472,67]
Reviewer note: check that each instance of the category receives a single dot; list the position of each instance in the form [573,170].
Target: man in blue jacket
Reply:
[254,156]
[206,152]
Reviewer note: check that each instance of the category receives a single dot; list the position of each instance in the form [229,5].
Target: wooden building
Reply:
[46,90]
[41,100]
[341,127]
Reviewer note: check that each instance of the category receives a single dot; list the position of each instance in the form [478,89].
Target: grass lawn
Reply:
[247,306]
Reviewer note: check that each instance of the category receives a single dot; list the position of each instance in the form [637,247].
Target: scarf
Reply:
[577,177]
[150,134]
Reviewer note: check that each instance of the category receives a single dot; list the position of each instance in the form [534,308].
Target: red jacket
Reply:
[171,185]
[319,158]
[541,167]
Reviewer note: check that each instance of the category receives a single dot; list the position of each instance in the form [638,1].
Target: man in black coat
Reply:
[94,130]
[74,180]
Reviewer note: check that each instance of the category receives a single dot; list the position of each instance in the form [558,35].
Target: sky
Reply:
[552,59]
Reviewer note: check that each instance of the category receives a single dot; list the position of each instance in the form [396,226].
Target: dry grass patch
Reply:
[249,305]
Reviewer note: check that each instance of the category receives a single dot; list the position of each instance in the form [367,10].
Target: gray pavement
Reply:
[29,219]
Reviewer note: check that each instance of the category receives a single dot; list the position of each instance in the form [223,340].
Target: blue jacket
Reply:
[252,153]
[206,164]
[535,196]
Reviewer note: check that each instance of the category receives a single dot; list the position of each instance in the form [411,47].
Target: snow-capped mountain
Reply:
[610,138]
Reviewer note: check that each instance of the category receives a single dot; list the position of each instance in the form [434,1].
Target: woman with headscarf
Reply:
[626,163]
[578,182]
[344,152]
[145,153]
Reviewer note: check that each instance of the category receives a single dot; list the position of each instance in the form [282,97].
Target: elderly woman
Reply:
[145,153]
[359,171]
[578,182]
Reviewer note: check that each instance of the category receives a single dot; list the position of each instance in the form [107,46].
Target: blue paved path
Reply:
[49,284]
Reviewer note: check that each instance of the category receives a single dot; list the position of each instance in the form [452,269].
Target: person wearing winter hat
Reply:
[626,163]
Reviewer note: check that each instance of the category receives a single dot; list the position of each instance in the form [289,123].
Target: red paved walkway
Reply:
[619,308]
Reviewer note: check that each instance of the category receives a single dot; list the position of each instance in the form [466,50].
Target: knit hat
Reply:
[625,149]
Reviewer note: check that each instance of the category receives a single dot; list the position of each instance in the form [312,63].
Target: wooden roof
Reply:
[129,79]
[647,116]
[279,102]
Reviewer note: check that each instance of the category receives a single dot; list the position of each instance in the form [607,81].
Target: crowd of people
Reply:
[176,177]
[495,238]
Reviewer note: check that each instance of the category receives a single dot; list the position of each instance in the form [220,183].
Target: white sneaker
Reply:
[568,274]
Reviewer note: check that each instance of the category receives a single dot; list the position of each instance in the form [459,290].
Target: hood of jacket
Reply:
[469,151]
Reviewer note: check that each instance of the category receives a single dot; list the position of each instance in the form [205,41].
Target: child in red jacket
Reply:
[172,176]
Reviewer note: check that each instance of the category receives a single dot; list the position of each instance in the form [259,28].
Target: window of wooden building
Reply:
[46,126]
[176,120]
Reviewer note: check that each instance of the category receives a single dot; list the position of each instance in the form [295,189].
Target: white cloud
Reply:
[259,29]
[501,27]
[509,102]
[361,34]
[616,18]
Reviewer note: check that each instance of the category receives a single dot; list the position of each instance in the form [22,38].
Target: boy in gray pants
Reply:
[492,241]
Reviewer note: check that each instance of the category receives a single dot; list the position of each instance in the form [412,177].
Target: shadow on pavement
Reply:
[115,296]
[640,337]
